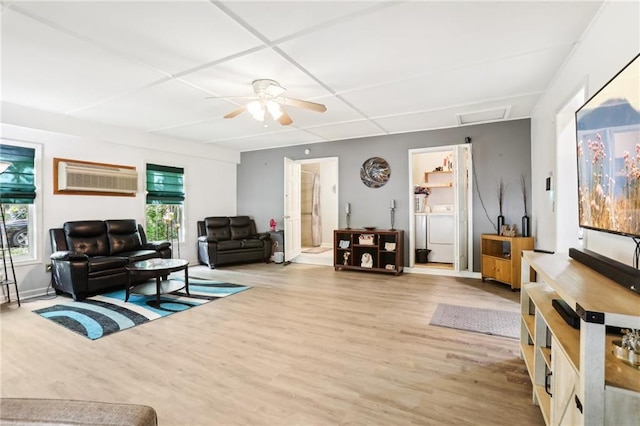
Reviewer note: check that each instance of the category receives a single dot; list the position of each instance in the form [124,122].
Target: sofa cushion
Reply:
[103,263]
[123,235]
[229,245]
[87,236]
[218,228]
[240,227]
[259,244]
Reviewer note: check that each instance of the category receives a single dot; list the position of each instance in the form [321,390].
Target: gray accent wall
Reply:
[500,150]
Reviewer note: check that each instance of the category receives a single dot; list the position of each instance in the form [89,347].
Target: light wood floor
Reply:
[305,346]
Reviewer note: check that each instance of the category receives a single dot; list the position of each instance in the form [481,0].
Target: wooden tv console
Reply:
[575,376]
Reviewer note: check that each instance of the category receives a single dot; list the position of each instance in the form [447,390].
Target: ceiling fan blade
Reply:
[284,119]
[305,104]
[236,112]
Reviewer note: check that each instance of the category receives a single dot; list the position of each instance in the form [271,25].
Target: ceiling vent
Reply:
[485,116]
[96,178]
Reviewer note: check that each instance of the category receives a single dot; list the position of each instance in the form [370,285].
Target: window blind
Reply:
[17,183]
[165,184]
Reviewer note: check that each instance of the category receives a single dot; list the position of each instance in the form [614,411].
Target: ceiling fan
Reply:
[268,99]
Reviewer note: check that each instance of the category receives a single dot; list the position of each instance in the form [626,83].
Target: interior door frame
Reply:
[293,239]
[412,216]
[336,162]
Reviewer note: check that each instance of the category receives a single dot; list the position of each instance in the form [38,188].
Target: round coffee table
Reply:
[160,270]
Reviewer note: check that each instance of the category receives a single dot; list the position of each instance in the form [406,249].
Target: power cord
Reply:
[475,181]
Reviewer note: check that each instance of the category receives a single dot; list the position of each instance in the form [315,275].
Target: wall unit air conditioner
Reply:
[96,178]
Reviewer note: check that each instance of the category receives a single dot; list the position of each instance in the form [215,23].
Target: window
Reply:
[165,199]
[17,195]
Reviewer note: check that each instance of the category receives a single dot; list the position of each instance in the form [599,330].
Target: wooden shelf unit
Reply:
[498,266]
[588,384]
[350,257]
[439,179]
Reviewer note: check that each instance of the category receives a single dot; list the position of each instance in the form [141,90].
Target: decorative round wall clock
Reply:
[375,172]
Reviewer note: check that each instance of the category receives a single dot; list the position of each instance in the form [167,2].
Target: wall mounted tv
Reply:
[608,148]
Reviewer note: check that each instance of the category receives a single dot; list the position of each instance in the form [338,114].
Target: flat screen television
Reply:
[608,148]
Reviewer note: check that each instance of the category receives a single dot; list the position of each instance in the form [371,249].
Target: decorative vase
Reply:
[500,223]
[525,226]
[393,219]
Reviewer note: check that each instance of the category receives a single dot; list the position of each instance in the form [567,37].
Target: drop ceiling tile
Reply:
[490,80]
[163,105]
[353,129]
[234,77]
[521,107]
[275,20]
[171,36]
[413,38]
[272,140]
[45,69]
[337,111]
[220,129]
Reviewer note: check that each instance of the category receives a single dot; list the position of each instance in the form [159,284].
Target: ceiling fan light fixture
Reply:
[268,98]
[274,109]
[256,109]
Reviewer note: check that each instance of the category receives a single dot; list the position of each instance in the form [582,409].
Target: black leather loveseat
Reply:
[223,240]
[90,256]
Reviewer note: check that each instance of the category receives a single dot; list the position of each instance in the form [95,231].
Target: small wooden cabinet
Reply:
[501,258]
[353,248]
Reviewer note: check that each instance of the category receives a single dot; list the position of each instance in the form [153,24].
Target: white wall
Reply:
[610,42]
[210,180]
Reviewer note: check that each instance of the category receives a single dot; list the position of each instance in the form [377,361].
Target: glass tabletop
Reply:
[157,264]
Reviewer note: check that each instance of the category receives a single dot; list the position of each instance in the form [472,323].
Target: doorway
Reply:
[440,220]
[318,210]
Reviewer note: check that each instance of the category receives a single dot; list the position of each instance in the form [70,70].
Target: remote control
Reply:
[543,251]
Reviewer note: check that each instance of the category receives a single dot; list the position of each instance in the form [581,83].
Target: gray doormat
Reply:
[487,321]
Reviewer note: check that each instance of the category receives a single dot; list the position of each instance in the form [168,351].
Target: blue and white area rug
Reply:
[105,314]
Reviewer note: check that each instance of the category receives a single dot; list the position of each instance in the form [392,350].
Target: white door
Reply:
[292,209]
[461,208]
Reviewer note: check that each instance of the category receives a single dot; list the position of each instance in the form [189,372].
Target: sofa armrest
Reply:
[68,256]
[70,273]
[206,239]
[36,411]
[156,245]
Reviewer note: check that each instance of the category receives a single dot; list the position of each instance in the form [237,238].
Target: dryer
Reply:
[440,237]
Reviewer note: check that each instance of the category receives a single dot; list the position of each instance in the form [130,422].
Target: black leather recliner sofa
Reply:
[90,256]
[225,240]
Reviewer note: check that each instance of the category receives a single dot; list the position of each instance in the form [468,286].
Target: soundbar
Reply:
[623,274]
[567,314]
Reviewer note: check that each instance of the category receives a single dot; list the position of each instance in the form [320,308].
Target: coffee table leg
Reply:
[158,290]
[126,298]
[186,279]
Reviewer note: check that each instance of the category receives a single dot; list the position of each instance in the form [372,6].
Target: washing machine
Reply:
[440,236]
